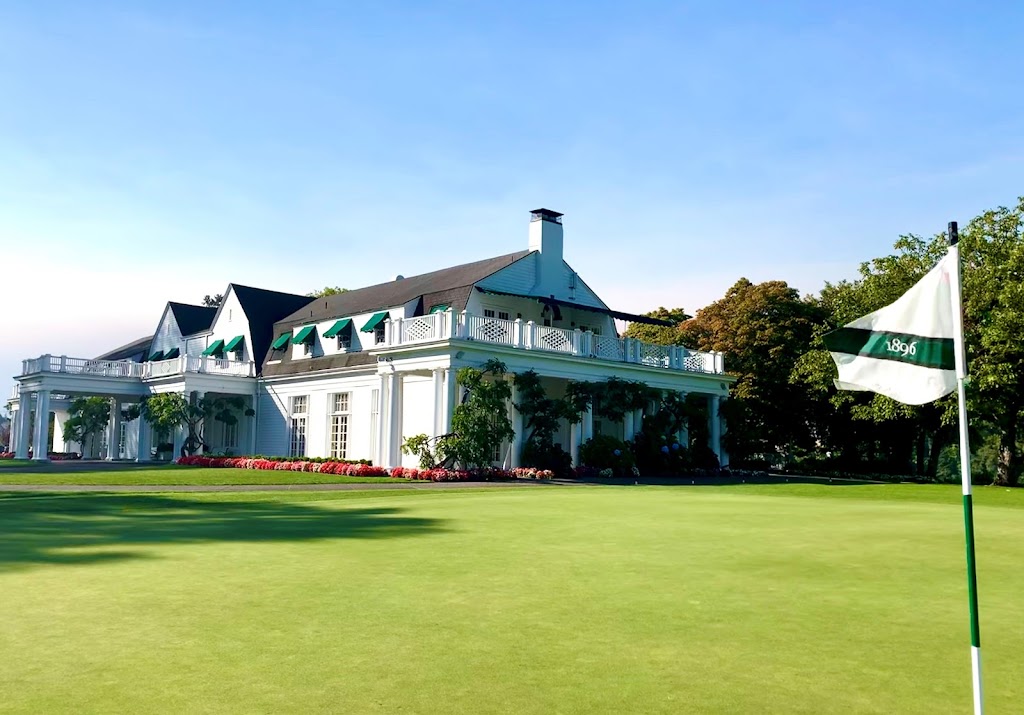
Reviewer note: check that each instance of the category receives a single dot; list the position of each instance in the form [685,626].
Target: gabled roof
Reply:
[448,285]
[192,319]
[139,346]
[263,308]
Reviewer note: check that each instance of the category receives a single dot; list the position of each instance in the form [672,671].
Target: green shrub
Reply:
[606,452]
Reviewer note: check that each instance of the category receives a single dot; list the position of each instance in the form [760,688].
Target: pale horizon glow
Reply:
[153,152]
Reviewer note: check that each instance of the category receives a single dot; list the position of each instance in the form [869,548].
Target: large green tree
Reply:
[87,416]
[659,334]
[762,328]
[168,411]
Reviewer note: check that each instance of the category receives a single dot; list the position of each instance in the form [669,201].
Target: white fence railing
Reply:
[527,335]
[136,370]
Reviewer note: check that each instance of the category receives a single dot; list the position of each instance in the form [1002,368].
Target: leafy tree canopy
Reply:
[659,334]
[327,290]
[213,301]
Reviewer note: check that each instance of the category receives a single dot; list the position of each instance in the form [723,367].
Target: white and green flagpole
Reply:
[965,466]
[913,351]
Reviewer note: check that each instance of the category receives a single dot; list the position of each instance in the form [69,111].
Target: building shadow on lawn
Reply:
[83,529]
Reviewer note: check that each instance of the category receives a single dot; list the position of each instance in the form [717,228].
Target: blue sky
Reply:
[157,151]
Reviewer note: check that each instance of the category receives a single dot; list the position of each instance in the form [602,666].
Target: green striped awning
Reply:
[281,341]
[374,321]
[234,344]
[338,327]
[157,355]
[305,335]
[439,308]
[216,349]
[172,353]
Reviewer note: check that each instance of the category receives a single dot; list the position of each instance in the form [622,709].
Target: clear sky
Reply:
[157,151]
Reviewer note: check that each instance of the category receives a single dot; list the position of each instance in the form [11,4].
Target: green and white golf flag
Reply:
[905,350]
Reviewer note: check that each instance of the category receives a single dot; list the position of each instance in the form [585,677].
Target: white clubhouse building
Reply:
[352,375]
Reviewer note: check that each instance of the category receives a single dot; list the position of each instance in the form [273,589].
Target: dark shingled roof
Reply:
[263,308]
[451,286]
[192,319]
[139,347]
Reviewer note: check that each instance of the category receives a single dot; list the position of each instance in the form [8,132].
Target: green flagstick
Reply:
[965,470]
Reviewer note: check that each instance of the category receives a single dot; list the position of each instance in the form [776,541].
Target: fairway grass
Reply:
[747,599]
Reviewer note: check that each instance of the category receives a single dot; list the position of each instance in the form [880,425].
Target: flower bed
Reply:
[52,456]
[347,469]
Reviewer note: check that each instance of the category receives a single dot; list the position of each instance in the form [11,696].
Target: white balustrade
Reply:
[63,364]
[490,330]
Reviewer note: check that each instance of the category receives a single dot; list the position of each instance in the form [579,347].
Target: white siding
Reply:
[417,411]
[274,416]
[167,334]
[516,278]
[329,346]
[229,322]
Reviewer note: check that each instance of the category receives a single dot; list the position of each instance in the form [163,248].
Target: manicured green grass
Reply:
[14,463]
[790,599]
[173,474]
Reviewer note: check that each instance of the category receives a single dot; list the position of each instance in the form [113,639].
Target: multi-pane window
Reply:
[374,421]
[230,436]
[378,333]
[488,313]
[345,339]
[503,314]
[297,441]
[339,425]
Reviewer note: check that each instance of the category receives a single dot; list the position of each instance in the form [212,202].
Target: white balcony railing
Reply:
[530,336]
[136,370]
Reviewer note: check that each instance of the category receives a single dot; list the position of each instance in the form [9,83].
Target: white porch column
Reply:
[143,440]
[575,430]
[250,425]
[201,426]
[627,426]
[393,447]
[24,418]
[59,418]
[451,398]
[438,375]
[41,439]
[516,418]
[379,455]
[683,435]
[723,455]
[114,430]
[714,426]
[638,421]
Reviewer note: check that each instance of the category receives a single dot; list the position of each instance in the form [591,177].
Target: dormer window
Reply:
[305,337]
[342,332]
[375,325]
[282,342]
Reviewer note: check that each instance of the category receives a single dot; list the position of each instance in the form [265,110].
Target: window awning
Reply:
[157,355]
[281,341]
[305,335]
[335,329]
[216,349]
[373,322]
[440,308]
[628,317]
[172,353]
[234,344]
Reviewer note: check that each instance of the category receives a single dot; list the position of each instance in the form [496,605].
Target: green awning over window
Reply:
[440,308]
[158,355]
[373,322]
[171,354]
[216,349]
[235,344]
[305,335]
[281,341]
[336,329]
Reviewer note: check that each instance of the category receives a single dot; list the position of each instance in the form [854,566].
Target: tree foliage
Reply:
[168,411]
[659,334]
[763,328]
[327,290]
[87,416]
[213,301]
[481,421]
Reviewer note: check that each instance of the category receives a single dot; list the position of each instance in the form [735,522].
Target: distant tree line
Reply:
[784,410]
